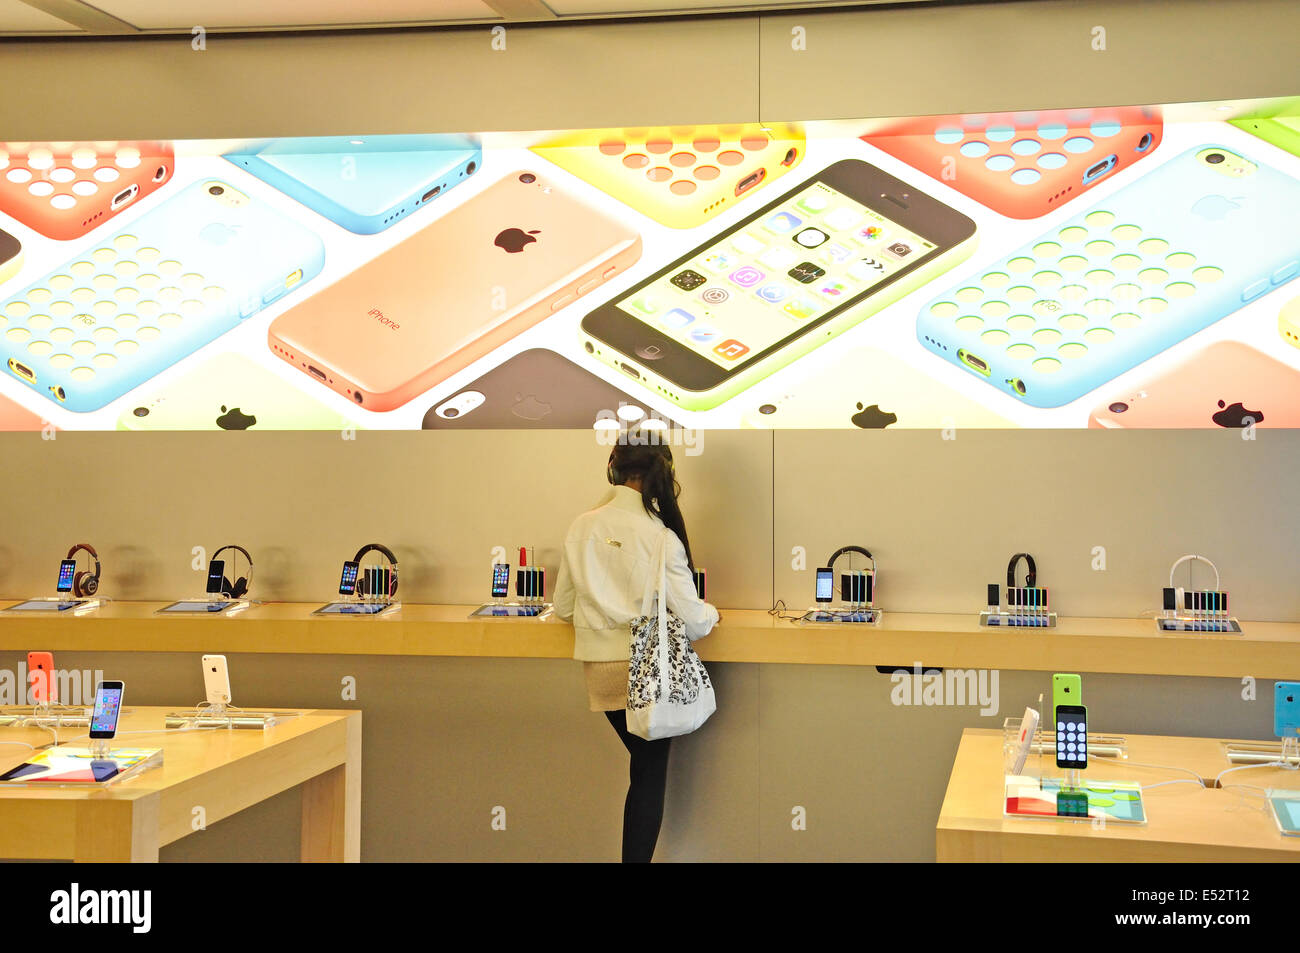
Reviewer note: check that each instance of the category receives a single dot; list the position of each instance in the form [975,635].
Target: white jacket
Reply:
[608,556]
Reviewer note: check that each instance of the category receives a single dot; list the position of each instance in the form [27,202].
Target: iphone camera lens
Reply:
[1118,407]
[141,411]
[1214,158]
[216,190]
[528,178]
[767,409]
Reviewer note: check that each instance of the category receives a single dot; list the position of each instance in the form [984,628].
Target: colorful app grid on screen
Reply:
[752,289]
[105,714]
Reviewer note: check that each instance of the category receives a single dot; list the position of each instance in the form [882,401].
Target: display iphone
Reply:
[1281,131]
[64,189]
[1096,295]
[348,580]
[1023,164]
[230,392]
[11,255]
[216,679]
[825,584]
[870,389]
[1028,728]
[681,176]
[500,580]
[451,293]
[1066,690]
[1288,322]
[43,685]
[216,576]
[701,583]
[535,389]
[108,707]
[136,302]
[67,572]
[1071,736]
[15,417]
[1226,384]
[818,260]
[1286,708]
[363,183]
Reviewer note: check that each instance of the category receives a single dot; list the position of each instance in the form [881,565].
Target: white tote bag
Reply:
[669,692]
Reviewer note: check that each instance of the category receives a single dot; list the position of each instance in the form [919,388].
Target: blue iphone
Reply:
[1162,258]
[1286,709]
[137,301]
[363,183]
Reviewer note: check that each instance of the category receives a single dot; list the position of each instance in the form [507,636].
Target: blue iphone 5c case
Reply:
[1168,255]
[363,183]
[136,302]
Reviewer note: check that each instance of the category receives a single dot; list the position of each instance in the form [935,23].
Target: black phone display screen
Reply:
[67,569]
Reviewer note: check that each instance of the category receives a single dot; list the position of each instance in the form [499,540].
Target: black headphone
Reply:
[240,586]
[1011,571]
[392,560]
[84,583]
[830,563]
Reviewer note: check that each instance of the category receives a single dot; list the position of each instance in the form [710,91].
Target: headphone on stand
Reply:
[1190,556]
[1030,578]
[392,561]
[240,586]
[85,583]
[861,551]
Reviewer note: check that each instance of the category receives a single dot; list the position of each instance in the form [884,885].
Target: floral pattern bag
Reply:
[669,692]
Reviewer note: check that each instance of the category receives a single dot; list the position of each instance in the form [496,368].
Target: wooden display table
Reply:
[1185,822]
[221,771]
[1131,646]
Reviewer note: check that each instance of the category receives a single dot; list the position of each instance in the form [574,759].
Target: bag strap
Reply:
[656,579]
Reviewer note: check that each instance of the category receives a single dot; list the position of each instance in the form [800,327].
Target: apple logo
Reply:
[530,408]
[1237,416]
[873,418]
[218,233]
[232,419]
[1216,207]
[515,239]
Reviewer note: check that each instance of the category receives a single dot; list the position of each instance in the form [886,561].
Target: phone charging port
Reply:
[23,371]
[973,362]
[751,180]
[630,371]
[431,193]
[1100,169]
[316,372]
[126,195]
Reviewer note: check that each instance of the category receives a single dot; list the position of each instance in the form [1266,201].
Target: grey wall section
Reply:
[304,502]
[942,517]
[879,61]
[448,740]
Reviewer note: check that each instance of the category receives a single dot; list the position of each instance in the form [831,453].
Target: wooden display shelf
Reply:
[1132,646]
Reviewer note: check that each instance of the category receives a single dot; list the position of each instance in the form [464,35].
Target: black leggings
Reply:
[643,811]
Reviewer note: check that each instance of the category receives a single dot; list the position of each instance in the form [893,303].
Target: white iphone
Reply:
[216,679]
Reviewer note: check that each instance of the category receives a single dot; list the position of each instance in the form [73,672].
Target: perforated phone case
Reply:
[683,175]
[1023,164]
[1120,282]
[65,189]
[144,297]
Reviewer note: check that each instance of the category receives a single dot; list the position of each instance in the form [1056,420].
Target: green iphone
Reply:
[1066,690]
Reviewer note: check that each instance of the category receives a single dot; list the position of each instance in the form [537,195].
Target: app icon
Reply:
[814,202]
[899,250]
[811,237]
[678,318]
[870,233]
[778,257]
[800,308]
[783,223]
[806,272]
[832,288]
[843,218]
[702,333]
[688,280]
[718,261]
[645,305]
[715,295]
[731,349]
[747,244]
[773,293]
[867,268]
[835,253]
[746,276]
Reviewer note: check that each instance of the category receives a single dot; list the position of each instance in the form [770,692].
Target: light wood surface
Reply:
[206,775]
[1185,822]
[1132,646]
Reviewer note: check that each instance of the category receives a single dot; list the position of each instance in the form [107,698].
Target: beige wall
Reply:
[909,60]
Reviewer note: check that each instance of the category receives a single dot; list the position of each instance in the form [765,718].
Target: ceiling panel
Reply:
[18,17]
[260,14]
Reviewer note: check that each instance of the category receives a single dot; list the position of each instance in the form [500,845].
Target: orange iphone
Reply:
[40,678]
[1226,384]
[451,293]
[14,416]
[64,189]
[1023,164]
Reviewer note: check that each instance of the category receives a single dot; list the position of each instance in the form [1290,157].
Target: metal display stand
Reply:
[841,615]
[226,716]
[213,607]
[1045,620]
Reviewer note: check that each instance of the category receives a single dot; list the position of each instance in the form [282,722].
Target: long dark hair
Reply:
[652,461]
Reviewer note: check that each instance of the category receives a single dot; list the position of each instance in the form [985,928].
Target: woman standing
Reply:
[609,555]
